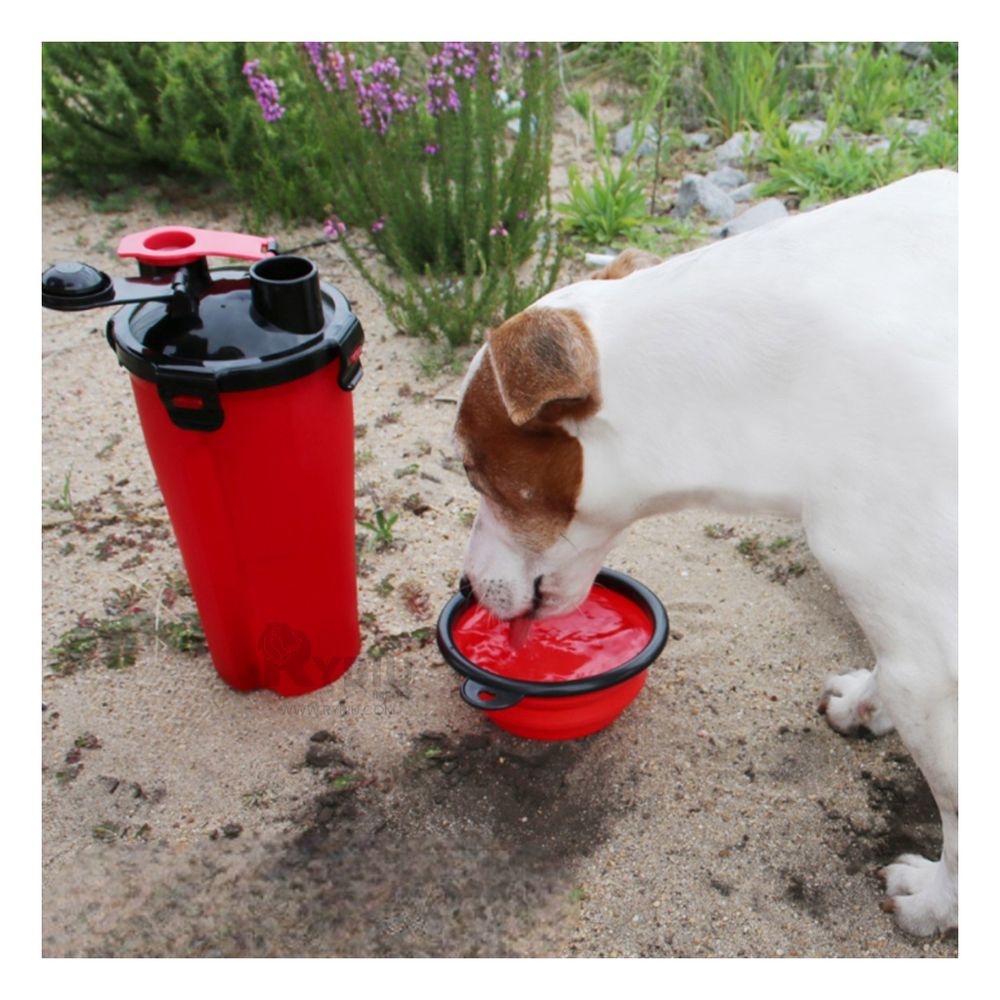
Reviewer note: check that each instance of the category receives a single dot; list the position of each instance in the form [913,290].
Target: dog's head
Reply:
[532,551]
[550,478]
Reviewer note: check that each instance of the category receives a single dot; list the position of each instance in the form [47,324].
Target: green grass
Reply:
[744,84]
[840,167]
[819,174]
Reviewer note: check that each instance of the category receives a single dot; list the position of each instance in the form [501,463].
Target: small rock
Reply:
[737,147]
[744,192]
[912,128]
[323,736]
[728,178]
[699,191]
[807,132]
[231,831]
[315,757]
[877,145]
[759,215]
[625,138]
[920,51]
[697,140]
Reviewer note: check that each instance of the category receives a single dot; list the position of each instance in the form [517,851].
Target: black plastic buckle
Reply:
[191,399]
[349,352]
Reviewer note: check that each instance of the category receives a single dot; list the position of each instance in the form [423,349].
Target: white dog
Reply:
[806,368]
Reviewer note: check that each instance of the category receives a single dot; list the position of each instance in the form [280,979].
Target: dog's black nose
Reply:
[465,587]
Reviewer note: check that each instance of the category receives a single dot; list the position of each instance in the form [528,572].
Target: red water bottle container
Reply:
[243,379]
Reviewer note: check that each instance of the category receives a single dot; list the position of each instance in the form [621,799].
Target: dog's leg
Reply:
[923,894]
[851,702]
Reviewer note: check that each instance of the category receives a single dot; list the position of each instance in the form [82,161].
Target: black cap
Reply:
[76,281]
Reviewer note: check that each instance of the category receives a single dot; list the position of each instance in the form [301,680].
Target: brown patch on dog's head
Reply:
[625,263]
[545,364]
[539,367]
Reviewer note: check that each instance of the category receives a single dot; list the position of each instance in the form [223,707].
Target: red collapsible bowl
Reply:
[573,675]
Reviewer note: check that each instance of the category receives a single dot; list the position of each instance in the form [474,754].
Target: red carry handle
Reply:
[172,246]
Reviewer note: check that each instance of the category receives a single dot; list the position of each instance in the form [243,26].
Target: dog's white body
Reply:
[807,368]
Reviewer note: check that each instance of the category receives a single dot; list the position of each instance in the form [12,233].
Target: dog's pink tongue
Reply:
[519,629]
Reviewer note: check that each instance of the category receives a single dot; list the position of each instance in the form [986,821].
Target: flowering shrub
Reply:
[439,156]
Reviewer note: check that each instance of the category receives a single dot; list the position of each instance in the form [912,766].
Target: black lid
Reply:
[73,280]
[242,329]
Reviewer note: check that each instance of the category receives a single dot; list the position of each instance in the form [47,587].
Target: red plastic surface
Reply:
[570,717]
[171,246]
[604,632]
[263,511]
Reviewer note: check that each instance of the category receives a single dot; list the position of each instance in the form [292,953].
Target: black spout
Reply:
[285,291]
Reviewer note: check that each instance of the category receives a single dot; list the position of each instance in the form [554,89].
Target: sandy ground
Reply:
[719,816]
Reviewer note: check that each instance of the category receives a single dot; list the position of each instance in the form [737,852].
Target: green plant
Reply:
[868,88]
[824,172]
[381,528]
[64,501]
[613,203]
[744,84]
[938,148]
[115,639]
[661,63]
[185,635]
[437,156]
[751,548]
[120,112]
[610,205]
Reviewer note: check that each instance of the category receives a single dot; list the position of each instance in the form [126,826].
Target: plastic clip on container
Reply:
[242,379]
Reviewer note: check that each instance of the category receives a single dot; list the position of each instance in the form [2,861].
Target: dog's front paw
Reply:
[922,894]
[850,703]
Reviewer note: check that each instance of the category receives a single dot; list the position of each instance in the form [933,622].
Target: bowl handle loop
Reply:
[489,699]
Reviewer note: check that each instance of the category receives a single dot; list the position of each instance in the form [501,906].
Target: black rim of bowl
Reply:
[611,579]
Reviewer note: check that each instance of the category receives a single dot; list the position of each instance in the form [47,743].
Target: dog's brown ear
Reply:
[546,365]
[625,263]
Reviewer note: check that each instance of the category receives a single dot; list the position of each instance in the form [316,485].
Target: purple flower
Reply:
[317,53]
[378,225]
[431,150]
[334,228]
[455,61]
[523,216]
[376,96]
[265,90]
[339,63]
[499,230]
[494,60]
